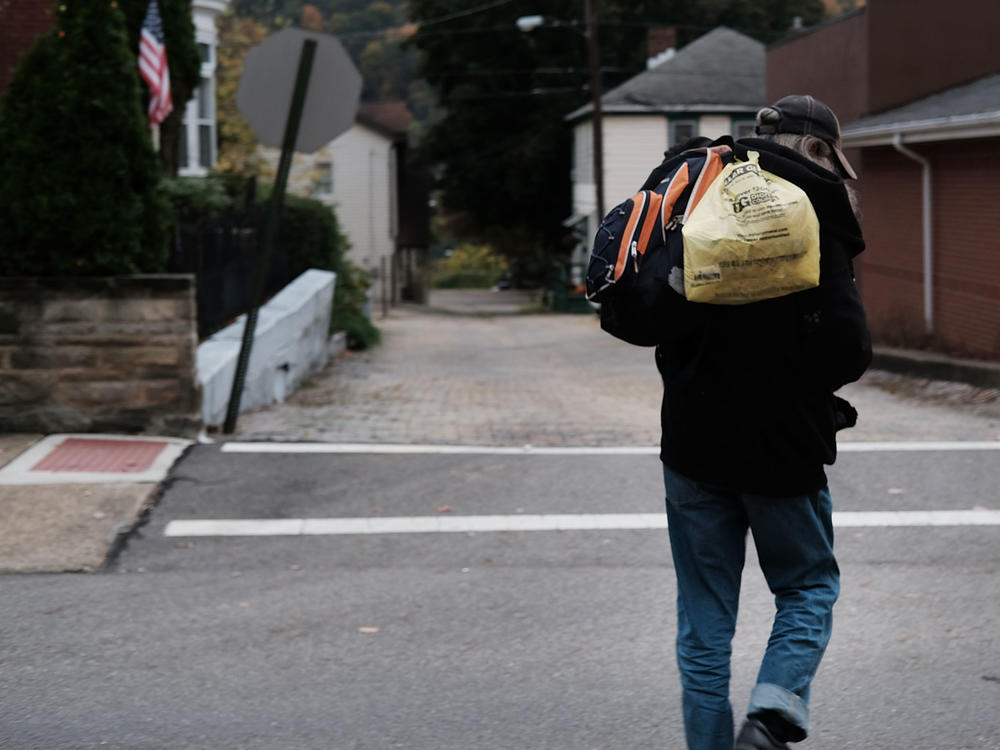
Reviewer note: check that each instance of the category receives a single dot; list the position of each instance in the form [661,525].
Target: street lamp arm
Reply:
[530,23]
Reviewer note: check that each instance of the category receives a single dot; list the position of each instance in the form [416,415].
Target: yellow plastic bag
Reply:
[752,236]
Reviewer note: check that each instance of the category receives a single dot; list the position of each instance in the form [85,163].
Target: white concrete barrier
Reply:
[291,341]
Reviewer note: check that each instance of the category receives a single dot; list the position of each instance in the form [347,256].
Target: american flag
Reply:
[153,65]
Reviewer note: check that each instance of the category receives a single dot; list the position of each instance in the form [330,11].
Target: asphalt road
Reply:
[555,640]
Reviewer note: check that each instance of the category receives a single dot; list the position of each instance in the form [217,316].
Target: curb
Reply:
[935,366]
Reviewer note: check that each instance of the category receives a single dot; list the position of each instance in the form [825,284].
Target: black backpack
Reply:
[636,265]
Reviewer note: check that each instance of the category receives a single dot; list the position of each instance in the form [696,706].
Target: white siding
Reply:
[583,162]
[632,147]
[364,190]
[714,126]
[362,194]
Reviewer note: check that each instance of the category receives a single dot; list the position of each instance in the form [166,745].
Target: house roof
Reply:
[720,71]
[391,118]
[971,110]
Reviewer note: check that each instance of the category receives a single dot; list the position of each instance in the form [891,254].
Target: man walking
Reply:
[749,419]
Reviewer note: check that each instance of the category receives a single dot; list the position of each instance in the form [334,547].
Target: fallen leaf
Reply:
[443,508]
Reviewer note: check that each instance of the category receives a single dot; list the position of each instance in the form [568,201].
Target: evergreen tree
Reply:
[78,188]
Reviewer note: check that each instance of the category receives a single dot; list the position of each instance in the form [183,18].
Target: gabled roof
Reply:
[391,118]
[971,110]
[720,71]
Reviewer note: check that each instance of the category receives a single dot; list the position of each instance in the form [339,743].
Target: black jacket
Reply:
[748,399]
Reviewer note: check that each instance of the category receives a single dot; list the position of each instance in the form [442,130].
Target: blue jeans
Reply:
[794,540]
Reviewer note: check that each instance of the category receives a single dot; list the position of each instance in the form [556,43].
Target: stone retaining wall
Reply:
[99,355]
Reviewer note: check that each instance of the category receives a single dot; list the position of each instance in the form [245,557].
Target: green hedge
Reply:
[309,232]
[466,280]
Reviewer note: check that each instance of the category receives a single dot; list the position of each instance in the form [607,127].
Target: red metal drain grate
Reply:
[102,455]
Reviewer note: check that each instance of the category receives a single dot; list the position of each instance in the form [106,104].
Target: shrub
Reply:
[470,267]
[309,233]
[78,188]
[194,199]
[349,305]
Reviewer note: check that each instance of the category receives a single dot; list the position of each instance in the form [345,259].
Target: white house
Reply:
[711,87]
[357,173]
[197,149]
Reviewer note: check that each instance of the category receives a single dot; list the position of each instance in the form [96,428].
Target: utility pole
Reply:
[591,11]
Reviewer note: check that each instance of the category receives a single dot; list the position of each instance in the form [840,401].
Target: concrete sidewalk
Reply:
[71,521]
[475,368]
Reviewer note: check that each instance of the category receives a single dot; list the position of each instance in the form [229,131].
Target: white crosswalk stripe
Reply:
[538,450]
[527,522]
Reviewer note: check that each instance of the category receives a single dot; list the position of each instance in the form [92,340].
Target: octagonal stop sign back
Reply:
[265,90]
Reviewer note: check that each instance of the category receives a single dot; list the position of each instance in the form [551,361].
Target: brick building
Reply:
[916,84]
[21,22]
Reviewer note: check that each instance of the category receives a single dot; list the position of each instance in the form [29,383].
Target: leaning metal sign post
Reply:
[320,106]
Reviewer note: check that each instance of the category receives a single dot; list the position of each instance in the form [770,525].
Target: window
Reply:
[199,127]
[323,184]
[743,128]
[182,150]
[682,130]
[197,149]
[206,146]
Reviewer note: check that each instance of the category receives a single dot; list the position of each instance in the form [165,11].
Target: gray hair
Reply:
[812,148]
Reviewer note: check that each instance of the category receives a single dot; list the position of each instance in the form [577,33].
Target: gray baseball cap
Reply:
[802,114]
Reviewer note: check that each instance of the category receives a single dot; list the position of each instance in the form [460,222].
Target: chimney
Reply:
[659,39]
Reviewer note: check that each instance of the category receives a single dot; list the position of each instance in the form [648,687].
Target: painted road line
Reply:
[439,450]
[546,522]
[930,445]
[537,450]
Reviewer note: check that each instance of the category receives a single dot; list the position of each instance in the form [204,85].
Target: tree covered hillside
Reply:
[372,32]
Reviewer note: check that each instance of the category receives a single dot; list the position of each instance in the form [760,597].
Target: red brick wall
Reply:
[21,22]
[966,245]
[831,63]
[892,262]
[919,47]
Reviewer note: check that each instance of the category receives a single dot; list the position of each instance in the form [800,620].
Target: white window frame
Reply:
[319,190]
[743,122]
[674,124]
[197,121]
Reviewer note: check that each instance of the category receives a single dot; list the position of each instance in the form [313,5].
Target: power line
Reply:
[463,13]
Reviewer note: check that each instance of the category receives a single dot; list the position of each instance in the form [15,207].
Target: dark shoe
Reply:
[755,736]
